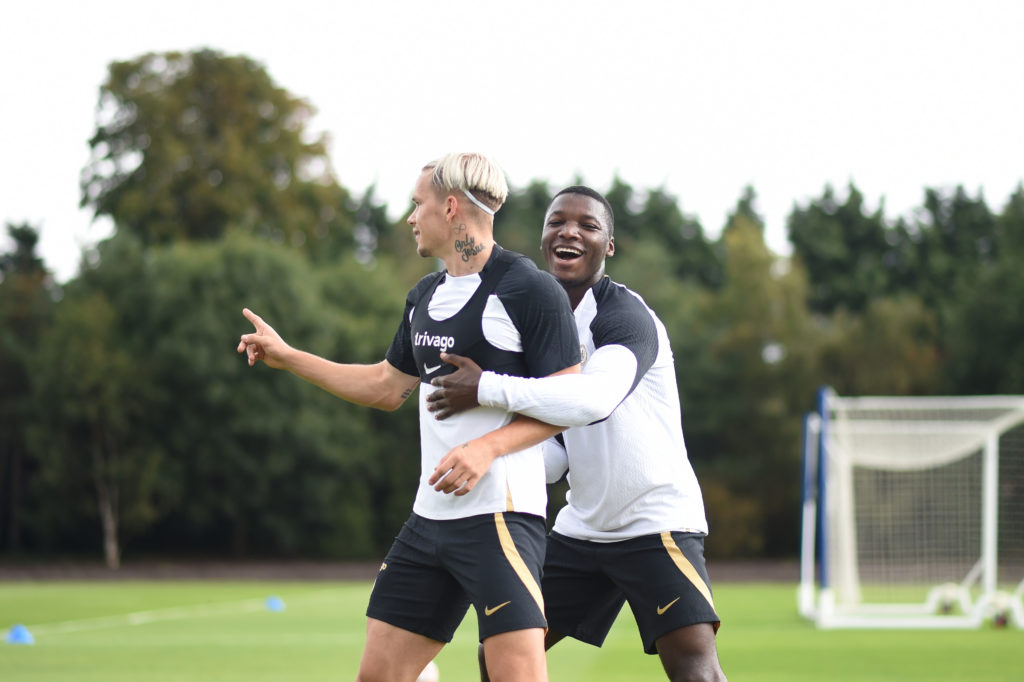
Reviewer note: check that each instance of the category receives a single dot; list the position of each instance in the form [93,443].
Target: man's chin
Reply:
[569,279]
[566,274]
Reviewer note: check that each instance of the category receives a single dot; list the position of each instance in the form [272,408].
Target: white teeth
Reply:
[566,251]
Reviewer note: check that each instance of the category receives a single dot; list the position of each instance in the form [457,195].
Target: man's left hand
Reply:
[460,469]
[456,392]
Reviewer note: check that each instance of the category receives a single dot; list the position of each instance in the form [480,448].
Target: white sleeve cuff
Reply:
[488,390]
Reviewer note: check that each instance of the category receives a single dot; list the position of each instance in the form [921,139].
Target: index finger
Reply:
[453,359]
[440,471]
[256,320]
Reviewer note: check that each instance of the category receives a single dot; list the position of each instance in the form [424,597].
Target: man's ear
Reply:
[451,205]
[611,247]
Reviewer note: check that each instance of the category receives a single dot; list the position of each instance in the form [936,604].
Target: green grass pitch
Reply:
[223,632]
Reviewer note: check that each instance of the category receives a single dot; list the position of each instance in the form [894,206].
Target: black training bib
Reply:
[462,333]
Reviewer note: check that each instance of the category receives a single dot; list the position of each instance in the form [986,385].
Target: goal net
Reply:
[913,512]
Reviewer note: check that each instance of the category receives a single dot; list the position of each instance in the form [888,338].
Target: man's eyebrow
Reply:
[585,216]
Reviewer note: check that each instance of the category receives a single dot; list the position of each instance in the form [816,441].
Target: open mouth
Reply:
[567,253]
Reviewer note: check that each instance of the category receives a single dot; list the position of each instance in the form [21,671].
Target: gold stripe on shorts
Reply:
[684,565]
[508,546]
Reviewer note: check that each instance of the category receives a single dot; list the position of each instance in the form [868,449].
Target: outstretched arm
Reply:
[380,385]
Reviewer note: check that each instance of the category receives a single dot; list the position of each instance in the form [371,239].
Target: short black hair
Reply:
[593,194]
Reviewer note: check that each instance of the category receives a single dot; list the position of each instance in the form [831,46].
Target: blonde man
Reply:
[476,535]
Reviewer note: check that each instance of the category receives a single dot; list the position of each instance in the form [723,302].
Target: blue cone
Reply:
[19,634]
[274,604]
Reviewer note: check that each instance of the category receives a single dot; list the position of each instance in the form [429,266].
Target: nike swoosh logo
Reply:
[488,611]
[430,370]
[666,607]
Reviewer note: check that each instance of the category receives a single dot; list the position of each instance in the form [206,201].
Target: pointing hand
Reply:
[265,344]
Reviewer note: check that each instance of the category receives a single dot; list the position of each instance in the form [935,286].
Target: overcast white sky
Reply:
[702,98]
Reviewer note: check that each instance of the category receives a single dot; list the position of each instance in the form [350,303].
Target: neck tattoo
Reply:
[468,246]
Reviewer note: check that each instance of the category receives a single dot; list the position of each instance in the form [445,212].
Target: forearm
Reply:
[569,399]
[460,469]
[519,434]
[379,385]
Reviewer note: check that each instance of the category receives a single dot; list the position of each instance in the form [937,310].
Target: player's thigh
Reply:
[393,654]
[516,655]
[690,653]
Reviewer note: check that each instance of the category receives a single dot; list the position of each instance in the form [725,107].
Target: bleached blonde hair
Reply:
[470,172]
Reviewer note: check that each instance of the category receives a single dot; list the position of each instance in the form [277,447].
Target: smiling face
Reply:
[575,241]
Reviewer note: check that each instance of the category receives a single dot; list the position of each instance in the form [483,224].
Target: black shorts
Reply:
[662,576]
[436,569]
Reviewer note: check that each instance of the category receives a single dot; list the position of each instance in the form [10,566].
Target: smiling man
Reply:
[484,543]
[633,527]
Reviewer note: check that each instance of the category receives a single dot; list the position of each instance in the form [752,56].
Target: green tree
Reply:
[1010,225]
[517,226]
[207,169]
[26,309]
[986,328]
[170,442]
[890,348]
[190,144]
[89,438]
[745,212]
[985,322]
[747,378]
[94,440]
[626,205]
[371,226]
[662,222]
[287,468]
[955,237]
[847,251]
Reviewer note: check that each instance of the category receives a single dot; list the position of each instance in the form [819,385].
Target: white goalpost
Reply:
[913,512]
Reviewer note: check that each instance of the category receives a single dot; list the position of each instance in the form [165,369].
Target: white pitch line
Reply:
[156,615]
[144,617]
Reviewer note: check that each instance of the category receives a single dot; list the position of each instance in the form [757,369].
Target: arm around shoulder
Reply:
[566,400]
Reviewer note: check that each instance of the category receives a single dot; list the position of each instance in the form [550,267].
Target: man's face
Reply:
[429,226]
[575,240]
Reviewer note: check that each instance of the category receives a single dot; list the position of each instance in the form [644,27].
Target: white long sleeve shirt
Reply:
[629,474]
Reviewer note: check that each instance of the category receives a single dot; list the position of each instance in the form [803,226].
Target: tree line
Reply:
[129,426]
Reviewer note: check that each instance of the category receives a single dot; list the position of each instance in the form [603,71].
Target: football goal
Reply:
[913,512]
